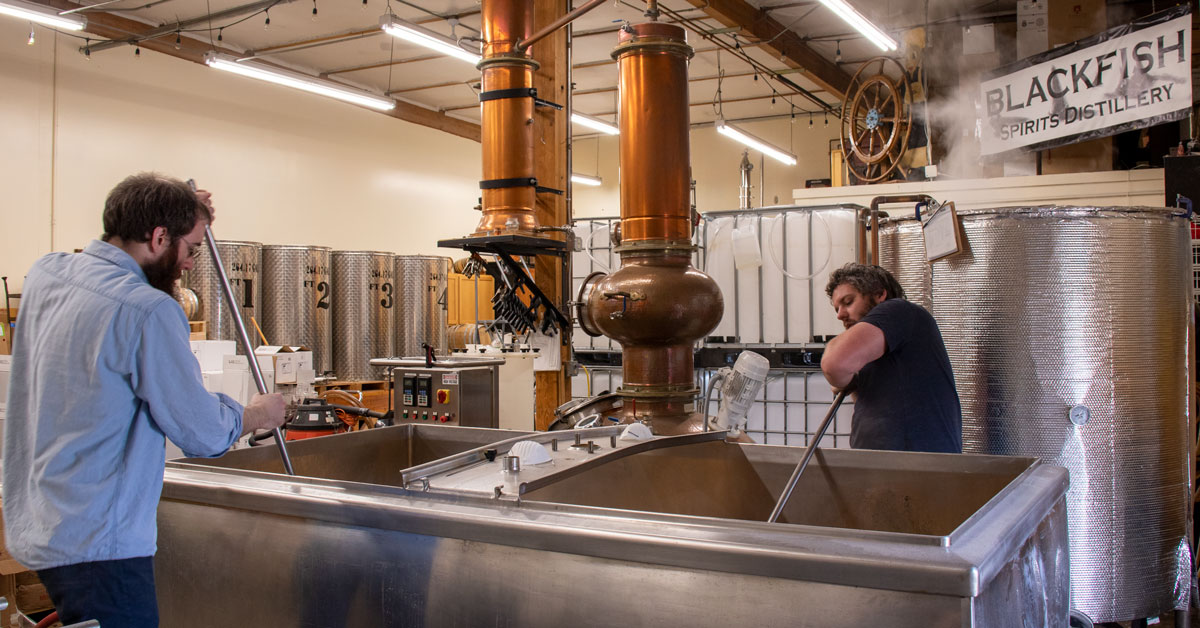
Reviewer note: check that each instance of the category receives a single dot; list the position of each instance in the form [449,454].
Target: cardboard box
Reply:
[6,331]
[209,353]
[212,380]
[304,359]
[5,369]
[238,382]
[31,595]
[287,361]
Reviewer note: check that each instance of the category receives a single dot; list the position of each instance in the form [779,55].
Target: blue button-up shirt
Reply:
[101,372]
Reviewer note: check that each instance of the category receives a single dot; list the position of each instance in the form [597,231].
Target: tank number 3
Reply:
[386,289]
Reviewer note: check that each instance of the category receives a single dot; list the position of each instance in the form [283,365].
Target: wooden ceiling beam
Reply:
[112,26]
[784,43]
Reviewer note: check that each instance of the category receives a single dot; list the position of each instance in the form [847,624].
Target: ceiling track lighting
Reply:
[851,16]
[298,80]
[412,33]
[42,14]
[586,179]
[596,124]
[766,148]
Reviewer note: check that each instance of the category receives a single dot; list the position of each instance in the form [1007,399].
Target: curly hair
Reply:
[147,200]
[865,278]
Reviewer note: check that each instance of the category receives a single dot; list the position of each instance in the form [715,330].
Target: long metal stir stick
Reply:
[808,454]
[243,337]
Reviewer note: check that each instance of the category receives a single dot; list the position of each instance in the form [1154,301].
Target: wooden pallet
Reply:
[352,385]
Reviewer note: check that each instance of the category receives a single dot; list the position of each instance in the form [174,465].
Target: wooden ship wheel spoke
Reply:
[876,120]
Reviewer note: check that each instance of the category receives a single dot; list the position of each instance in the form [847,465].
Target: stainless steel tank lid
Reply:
[295,247]
[1073,211]
[361,253]
[454,361]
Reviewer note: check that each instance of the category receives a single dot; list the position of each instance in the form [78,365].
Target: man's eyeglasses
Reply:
[193,249]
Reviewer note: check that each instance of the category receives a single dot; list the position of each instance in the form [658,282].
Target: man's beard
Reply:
[162,273]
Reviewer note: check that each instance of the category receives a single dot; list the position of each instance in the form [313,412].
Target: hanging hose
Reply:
[717,377]
[587,246]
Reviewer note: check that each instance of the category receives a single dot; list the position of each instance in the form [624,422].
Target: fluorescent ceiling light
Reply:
[596,124]
[298,80]
[585,179]
[861,24]
[408,31]
[42,15]
[753,142]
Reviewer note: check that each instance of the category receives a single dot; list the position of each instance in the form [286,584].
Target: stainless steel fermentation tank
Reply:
[902,251]
[364,318]
[1067,328]
[413,526]
[421,315]
[243,263]
[297,300]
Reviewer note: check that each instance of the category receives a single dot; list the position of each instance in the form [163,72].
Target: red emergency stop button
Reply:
[443,396]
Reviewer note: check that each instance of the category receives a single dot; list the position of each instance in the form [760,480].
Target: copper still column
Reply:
[507,102]
[657,305]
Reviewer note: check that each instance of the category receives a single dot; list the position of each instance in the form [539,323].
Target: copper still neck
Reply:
[506,104]
[657,305]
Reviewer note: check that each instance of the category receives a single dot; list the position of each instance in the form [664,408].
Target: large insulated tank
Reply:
[297,299]
[421,315]
[902,251]
[364,321]
[1067,328]
[243,266]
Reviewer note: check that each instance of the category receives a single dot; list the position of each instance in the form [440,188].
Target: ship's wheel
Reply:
[876,120]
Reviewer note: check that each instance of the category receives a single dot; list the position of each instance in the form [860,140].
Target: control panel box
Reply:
[451,392]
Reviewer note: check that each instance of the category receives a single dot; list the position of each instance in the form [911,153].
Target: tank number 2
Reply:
[323,291]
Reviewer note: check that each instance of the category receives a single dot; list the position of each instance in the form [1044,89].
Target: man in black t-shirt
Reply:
[893,352]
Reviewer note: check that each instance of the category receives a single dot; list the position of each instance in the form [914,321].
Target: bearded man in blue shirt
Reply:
[102,373]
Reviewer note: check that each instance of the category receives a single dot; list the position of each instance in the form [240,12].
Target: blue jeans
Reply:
[114,592]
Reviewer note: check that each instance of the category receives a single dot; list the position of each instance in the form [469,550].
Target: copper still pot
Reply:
[657,305]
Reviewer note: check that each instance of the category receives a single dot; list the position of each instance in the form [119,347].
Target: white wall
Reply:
[284,166]
[716,161]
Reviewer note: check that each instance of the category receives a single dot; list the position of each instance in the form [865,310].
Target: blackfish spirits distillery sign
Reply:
[1129,77]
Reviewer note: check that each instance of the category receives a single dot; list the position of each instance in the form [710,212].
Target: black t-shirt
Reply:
[906,399]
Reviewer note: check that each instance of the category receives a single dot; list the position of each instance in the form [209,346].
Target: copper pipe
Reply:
[871,217]
[524,44]
[507,123]
[657,304]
